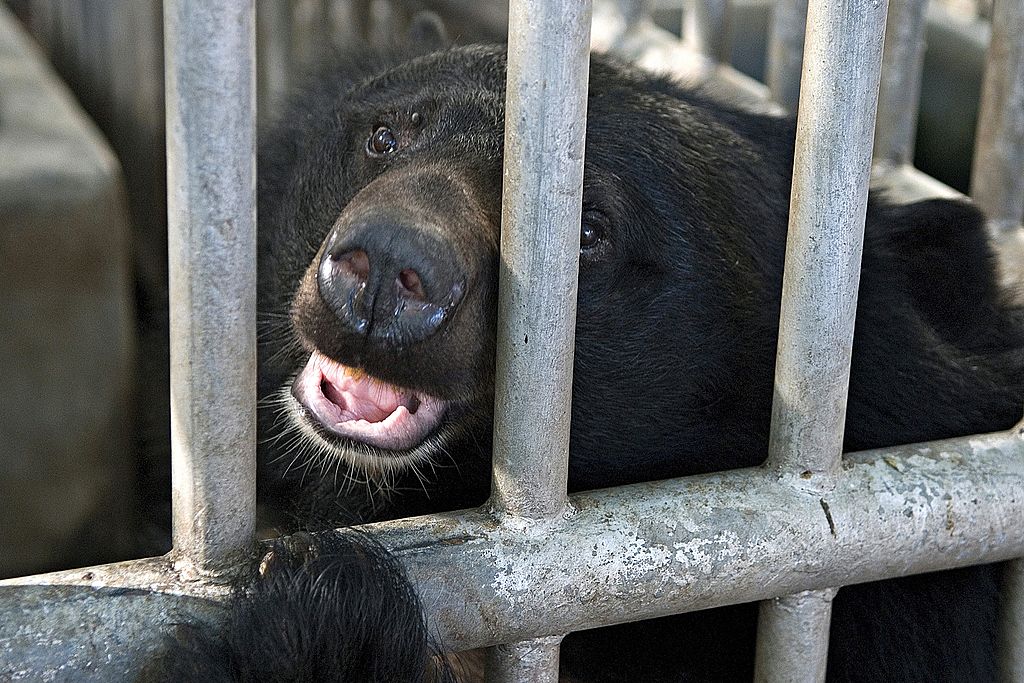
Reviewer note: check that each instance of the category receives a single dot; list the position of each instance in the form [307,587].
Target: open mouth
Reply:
[350,404]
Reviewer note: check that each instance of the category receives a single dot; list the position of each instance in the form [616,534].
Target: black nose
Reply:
[389,280]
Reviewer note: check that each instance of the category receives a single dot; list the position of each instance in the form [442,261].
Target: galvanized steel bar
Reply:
[274,55]
[545,129]
[831,169]
[545,124]
[630,553]
[211,170]
[786,51]
[1012,627]
[899,91]
[659,548]
[997,173]
[792,637]
[530,661]
[705,24]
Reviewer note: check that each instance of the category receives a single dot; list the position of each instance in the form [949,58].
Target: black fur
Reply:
[334,607]
[676,333]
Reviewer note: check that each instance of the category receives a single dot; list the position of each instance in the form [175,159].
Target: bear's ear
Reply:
[426,30]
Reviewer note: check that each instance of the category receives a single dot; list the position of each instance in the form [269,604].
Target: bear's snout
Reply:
[386,278]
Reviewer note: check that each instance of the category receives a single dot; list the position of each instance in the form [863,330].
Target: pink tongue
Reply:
[352,405]
[358,396]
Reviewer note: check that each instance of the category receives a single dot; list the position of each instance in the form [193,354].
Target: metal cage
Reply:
[513,576]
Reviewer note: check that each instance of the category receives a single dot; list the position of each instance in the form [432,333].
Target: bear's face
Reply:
[385,232]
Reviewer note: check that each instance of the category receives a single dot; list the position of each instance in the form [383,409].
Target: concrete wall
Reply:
[66,325]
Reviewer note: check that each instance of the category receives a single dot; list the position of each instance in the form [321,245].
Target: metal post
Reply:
[545,126]
[899,91]
[786,51]
[531,661]
[1012,635]
[273,63]
[792,637]
[545,123]
[704,27]
[997,175]
[211,169]
[831,169]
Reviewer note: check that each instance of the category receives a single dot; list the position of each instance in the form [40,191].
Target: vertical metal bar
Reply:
[532,661]
[899,91]
[997,175]
[273,58]
[831,169]
[792,637]
[786,51]
[211,170]
[545,123]
[704,27]
[1012,627]
[545,127]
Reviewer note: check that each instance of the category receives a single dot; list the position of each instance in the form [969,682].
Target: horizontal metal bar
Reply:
[997,174]
[545,125]
[630,553]
[98,624]
[899,91]
[211,173]
[792,637]
[659,548]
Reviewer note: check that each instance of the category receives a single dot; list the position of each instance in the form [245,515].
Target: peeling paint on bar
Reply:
[831,170]
[636,552]
[542,199]
[654,549]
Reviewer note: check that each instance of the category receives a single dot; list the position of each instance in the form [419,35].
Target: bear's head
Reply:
[380,222]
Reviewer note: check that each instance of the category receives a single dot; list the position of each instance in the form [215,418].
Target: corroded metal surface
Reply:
[530,661]
[653,549]
[831,170]
[545,124]
[792,637]
[632,553]
[211,173]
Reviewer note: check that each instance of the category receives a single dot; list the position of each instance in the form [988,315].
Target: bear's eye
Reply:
[591,231]
[382,142]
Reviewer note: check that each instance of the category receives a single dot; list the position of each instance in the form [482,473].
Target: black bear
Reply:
[379,214]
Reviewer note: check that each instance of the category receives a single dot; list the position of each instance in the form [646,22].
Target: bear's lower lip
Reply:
[348,403]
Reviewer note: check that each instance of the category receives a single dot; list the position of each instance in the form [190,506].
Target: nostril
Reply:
[355,263]
[410,285]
